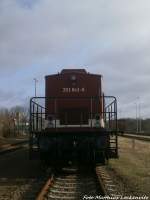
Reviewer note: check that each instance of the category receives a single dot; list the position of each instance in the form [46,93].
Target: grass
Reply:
[133,166]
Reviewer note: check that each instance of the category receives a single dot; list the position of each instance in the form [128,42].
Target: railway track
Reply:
[137,137]
[67,184]
[12,147]
[78,183]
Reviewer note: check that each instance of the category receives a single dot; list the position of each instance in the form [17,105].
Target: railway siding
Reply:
[9,147]
[138,137]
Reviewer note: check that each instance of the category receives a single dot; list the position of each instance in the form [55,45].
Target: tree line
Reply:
[13,121]
[140,126]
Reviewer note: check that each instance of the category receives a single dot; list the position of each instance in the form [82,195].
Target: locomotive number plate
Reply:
[68,90]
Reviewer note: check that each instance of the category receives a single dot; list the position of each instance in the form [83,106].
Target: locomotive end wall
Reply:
[73,83]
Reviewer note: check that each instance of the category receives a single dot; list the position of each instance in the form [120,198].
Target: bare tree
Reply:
[13,121]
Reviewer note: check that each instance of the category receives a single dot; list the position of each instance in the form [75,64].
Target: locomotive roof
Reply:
[65,71]
[70,71]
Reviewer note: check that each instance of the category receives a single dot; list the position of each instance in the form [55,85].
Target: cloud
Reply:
[28,4]
[39,37]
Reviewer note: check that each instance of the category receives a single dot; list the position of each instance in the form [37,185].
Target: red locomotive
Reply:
[74,121]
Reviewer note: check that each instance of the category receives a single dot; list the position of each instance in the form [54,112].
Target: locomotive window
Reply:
[73,78]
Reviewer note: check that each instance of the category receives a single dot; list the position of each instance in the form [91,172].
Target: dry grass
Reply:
[133,166]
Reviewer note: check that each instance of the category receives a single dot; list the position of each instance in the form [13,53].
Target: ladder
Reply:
[113,145]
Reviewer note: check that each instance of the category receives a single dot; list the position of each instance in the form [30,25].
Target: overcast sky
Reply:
[41,37]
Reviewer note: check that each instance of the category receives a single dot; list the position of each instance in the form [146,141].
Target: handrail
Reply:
[38,113]
[76,97]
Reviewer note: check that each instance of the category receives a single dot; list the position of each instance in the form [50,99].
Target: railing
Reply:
[110,115]
[39,115]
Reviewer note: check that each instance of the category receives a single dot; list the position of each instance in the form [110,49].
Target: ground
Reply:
[133,166]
